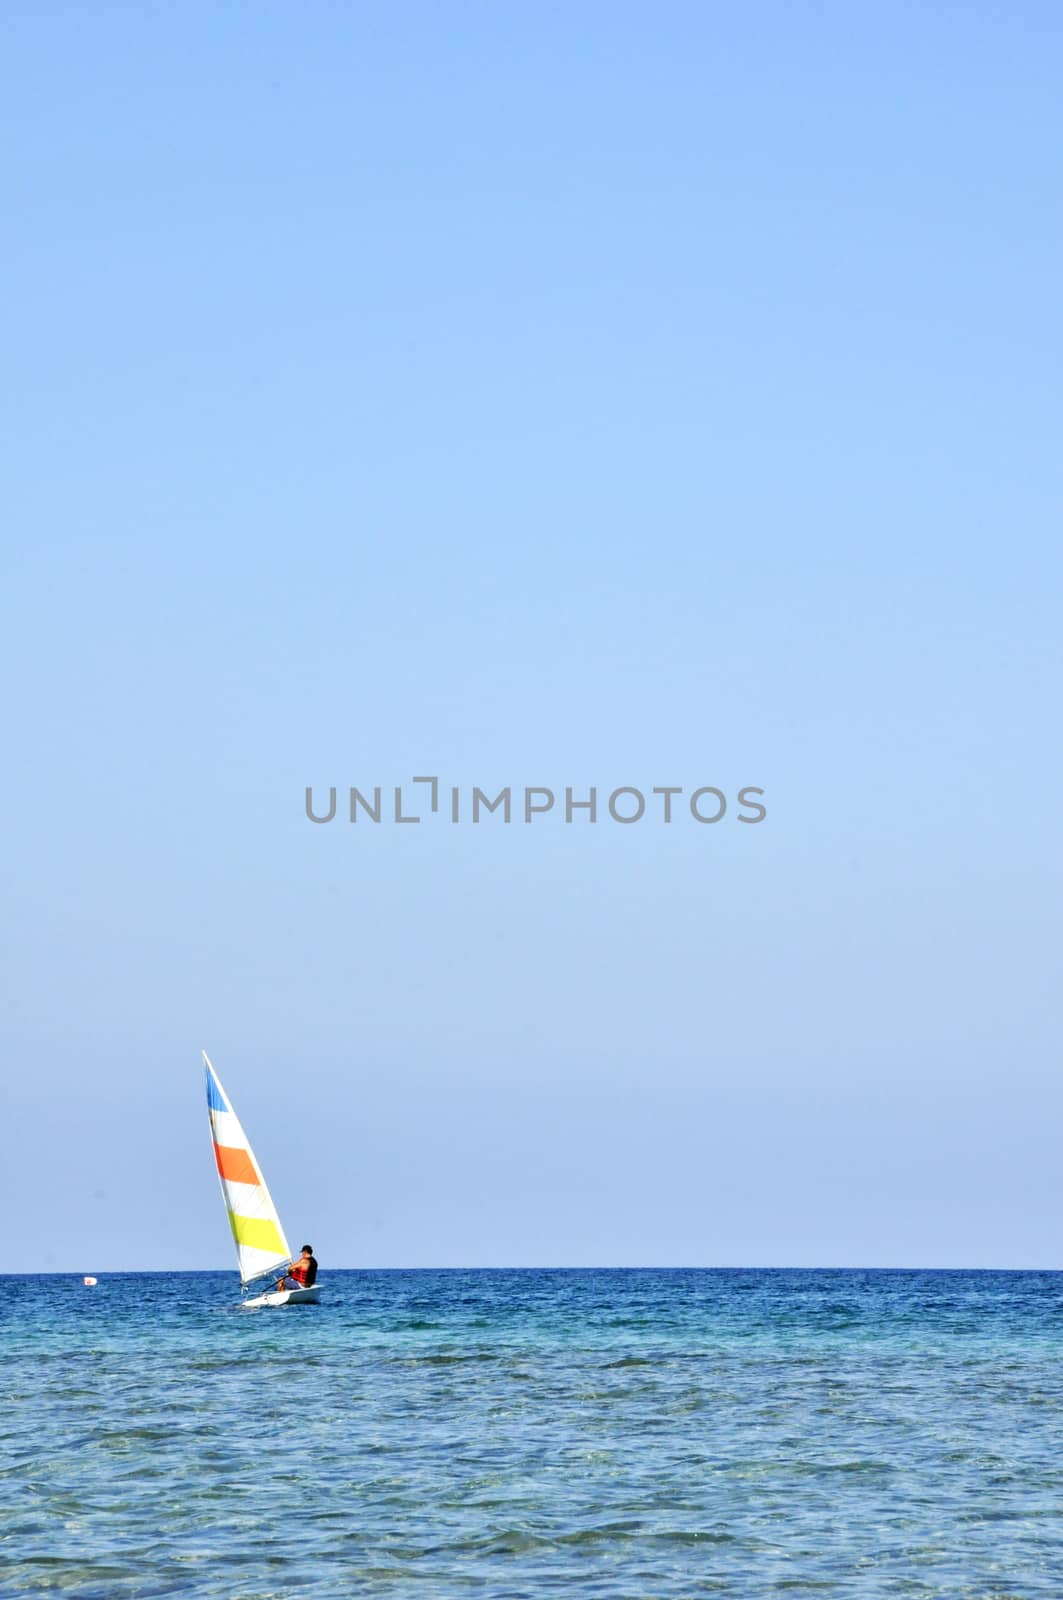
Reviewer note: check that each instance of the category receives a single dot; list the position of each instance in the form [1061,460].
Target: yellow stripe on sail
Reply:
[259,1233]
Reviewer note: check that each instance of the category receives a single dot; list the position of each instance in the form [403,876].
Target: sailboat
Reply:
[261,1248]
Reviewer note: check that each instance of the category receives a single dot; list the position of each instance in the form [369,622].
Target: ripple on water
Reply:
[524,1434]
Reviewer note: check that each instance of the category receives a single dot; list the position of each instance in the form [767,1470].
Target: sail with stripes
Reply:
[261,1247]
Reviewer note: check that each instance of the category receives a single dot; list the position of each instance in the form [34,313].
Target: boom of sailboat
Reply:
[262,1251]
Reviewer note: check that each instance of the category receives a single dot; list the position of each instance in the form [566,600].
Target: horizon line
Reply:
[210,1272]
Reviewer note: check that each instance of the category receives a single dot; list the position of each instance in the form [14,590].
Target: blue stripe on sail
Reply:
[215,1098]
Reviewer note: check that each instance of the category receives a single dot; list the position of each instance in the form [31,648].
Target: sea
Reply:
[634,1433]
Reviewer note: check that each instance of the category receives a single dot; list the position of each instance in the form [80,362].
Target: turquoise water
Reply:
[641,1434]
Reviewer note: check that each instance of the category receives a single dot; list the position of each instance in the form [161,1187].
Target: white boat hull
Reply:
[284,1297]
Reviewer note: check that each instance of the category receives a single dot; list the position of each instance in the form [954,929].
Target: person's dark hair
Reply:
[307,1247]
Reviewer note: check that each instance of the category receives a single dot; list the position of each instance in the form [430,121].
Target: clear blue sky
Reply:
[535,395]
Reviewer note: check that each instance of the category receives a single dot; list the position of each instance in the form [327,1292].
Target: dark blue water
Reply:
[630,1433]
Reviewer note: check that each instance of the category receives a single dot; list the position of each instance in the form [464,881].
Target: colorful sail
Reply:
[260,1243]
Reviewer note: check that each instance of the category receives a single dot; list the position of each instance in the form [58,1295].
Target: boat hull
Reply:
[284,1297]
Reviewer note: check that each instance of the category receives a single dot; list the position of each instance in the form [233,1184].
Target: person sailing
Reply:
[302,1273]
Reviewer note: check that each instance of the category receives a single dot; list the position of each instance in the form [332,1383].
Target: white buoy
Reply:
[90,1283]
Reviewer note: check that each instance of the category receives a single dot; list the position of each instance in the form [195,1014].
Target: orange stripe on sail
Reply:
[235,1164]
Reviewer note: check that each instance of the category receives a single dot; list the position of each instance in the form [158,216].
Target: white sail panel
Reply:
[261,1246]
